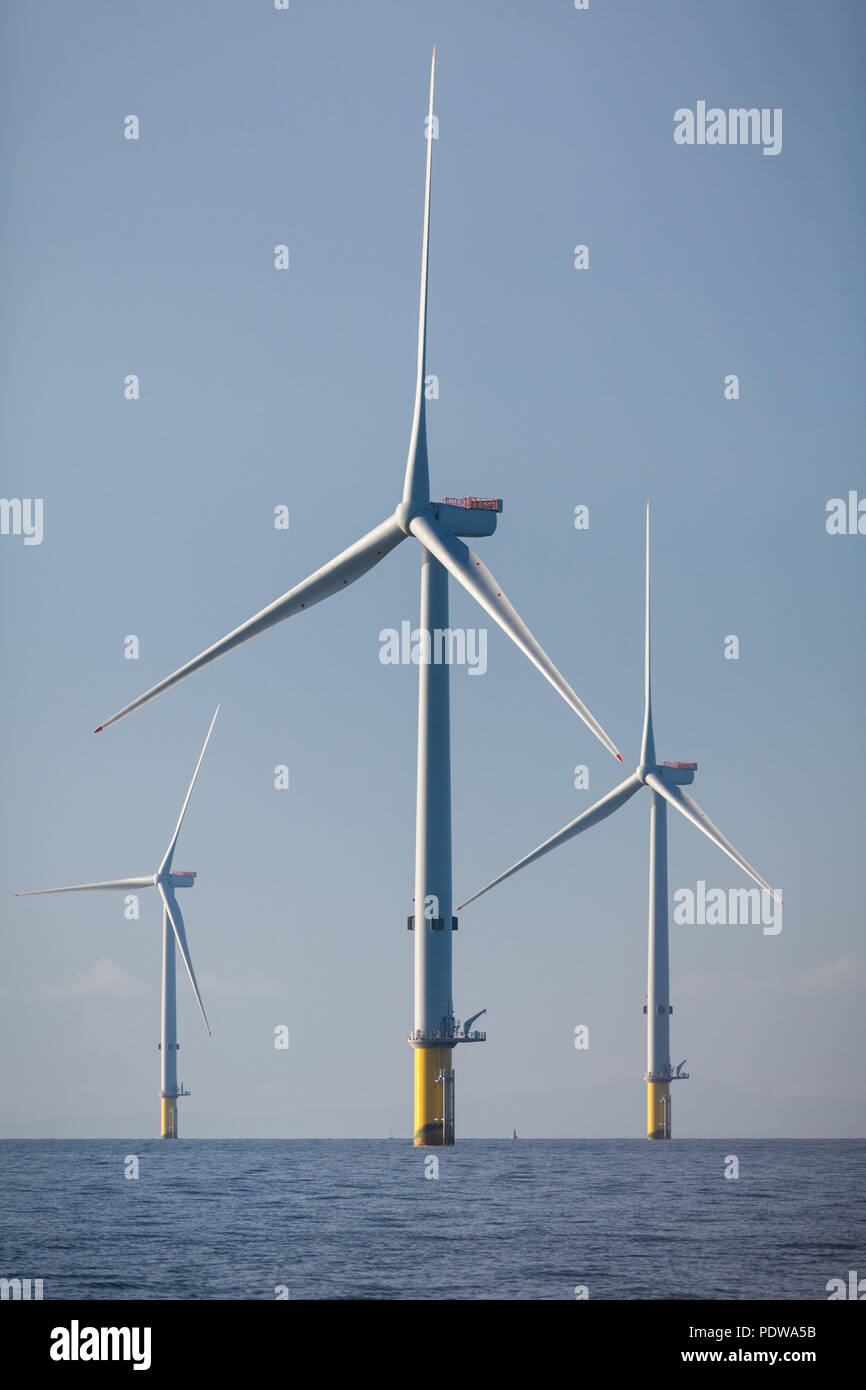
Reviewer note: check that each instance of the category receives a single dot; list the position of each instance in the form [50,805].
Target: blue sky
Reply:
[558,387]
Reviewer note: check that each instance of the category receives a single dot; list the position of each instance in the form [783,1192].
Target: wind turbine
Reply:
[664,781]
[165,880]
[437,526]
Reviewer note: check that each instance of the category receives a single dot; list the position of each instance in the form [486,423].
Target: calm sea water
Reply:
[524,1219]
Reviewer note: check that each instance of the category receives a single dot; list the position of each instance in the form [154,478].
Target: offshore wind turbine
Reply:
[437,526]
[664,781]
[165,880]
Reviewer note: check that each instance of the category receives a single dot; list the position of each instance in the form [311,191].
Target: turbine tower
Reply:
[165,880]
[664,781]
[437,526]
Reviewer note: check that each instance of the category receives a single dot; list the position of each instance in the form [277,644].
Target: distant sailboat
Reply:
[514,1134]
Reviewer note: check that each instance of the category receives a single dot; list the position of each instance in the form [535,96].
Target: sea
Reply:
[515,1219]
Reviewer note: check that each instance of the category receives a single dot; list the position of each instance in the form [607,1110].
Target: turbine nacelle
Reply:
[672,774]
[177,878]
[677,774]
[466,516]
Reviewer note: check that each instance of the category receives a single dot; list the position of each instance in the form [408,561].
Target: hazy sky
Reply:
[558,387]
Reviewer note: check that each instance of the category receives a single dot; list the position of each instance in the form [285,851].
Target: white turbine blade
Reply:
[647,747]
[172,907]
[116,885]
[692,812]
[169,854]
[350,565]
[600,811]
[416,485]
[466,567]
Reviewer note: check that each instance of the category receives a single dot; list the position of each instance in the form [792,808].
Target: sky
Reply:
[558,387]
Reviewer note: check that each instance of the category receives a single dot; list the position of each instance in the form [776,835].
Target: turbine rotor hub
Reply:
[405,512]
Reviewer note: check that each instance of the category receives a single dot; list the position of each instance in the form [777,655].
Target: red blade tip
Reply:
[619,755]
[99,730]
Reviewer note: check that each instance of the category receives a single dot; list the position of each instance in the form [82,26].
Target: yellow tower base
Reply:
[658,1110]
[168,1106]
[434,1097]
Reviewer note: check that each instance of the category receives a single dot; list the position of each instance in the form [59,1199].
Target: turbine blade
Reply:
[600,811]
[647,747]
[169,854]
[416,485]
[692,812]
[117,885]
[344,569]
[466,567]
[172,907]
